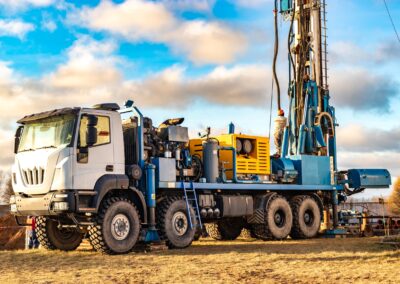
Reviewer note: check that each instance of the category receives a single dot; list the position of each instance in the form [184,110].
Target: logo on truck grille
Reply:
[33,176]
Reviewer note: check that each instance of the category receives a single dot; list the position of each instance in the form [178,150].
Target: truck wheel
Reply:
[248,231]
[117,226]
[306,217]
[225,229]
[51,237]
[198,234]
[173,223]
[278,219]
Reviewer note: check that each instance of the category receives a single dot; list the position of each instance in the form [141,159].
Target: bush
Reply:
[394,199]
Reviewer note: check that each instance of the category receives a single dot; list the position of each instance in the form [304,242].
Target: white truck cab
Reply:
[54,156]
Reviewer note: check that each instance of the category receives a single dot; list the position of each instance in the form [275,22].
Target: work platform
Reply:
[246,186]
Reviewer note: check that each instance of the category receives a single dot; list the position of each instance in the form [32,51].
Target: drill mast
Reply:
[311,120]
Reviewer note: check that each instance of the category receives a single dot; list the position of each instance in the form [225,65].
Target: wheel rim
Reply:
[63,234]
[279,218]
[308,217]
[120,227]
[180,223]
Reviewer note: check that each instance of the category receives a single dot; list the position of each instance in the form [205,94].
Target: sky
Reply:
[206,60]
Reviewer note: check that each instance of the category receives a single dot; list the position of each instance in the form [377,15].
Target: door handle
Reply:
[109,168]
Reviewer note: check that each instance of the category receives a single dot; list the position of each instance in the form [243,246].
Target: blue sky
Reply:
[206,60]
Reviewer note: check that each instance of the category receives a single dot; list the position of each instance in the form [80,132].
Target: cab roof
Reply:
[46,114]
[64,111]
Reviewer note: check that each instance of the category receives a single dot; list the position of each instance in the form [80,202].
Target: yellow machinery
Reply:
[252,153]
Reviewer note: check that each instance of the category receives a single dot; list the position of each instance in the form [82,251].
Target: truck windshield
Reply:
[50,132]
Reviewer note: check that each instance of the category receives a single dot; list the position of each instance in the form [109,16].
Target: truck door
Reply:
[94,161]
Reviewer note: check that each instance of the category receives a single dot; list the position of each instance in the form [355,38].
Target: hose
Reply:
[290,40]
[276,48]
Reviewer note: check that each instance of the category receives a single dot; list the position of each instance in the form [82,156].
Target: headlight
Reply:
[61,195]
[13,208]
[60,206]
[12,199]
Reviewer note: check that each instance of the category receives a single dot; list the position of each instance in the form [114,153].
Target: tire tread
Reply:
[96,232]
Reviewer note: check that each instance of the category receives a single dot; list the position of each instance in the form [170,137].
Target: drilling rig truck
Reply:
[110,175]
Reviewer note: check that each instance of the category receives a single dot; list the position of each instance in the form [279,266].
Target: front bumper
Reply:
[52,203]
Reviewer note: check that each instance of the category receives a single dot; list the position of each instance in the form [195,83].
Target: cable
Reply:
[276,48]
[289,40]
[270,107]
[391,20]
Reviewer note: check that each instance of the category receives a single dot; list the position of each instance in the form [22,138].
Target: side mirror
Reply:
[92,120]
[17,139]
[91,135]
[91,132]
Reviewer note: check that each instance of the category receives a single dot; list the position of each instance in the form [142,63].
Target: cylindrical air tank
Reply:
[210,160]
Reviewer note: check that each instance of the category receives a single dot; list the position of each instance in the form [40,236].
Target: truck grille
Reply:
[33,176]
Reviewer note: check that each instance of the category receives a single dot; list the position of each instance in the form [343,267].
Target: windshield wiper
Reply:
[46,147]
[26,150]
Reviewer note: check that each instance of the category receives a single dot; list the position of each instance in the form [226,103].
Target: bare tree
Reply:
[6,189]
[394,199]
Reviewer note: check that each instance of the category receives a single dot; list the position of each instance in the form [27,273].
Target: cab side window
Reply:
[103,131]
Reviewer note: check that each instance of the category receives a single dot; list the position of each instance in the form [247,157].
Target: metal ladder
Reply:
[191,199]
[324,51]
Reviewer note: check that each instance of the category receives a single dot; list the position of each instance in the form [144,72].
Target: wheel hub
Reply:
[279,218]
[180,223]
[120,227]
[308,217]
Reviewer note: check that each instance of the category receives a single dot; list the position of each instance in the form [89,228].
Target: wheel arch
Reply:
[260,204]
[118,185]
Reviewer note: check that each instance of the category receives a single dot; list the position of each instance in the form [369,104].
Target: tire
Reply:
[248,232]
[117,227]
[306,217]
[197,235]
[278,219]
[173,223]
[51,237]
[252,233]
[226,229]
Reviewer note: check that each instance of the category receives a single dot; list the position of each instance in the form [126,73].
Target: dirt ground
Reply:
[358,260]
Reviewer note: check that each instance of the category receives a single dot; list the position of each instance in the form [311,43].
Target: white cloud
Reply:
[15,28]
[17,5]
[91,74]
[206,42]
[5,73]
[190,5]
[347,52]
[375,160]
[241,85]
[90,65]
[362,89]
[344,52]
[360,139]
[7,149]
[138,20]
[48,24]
[252,3]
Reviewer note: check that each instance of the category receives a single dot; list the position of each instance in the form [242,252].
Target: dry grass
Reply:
[208,261]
